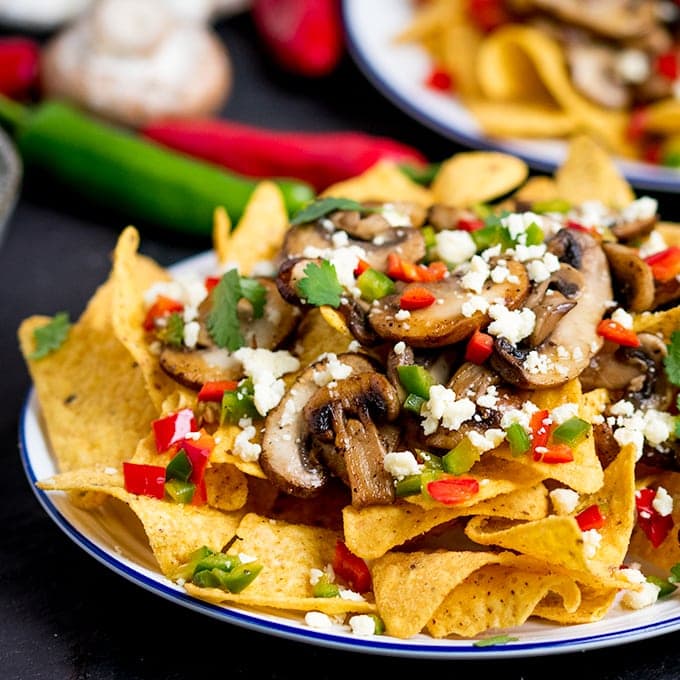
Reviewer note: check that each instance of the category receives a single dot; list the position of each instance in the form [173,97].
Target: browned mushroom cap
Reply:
[344,413]
[626,230]
[287,458]
[567,351]
[632,276]
[193,368]
[665,293]
[444,323]
[443,217]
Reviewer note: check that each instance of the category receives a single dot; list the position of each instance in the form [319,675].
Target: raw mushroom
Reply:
[135,60]
[632,276]
[287,457]
[575,333]
[343,413]
[444,323]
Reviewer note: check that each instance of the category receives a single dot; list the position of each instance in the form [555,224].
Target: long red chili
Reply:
[19,66]
[320,158]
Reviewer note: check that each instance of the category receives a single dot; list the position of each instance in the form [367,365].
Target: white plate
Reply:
[399,72]
[106,535]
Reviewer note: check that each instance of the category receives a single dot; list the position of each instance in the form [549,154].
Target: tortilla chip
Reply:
[226,487]
[595,603]
[259,233]
[174,531]
[316,336]
[472,177]
[663,323]
[381,182]
[92,394]
[288,553]
[221,234]
[513,119]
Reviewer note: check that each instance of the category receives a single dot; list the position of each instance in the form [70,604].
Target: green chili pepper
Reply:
[571,431]
[374,285]
[186,571]
[416,380]
[414,403]
[534,235]
[180,491]
[324,588]
[556,205]
[518,439]
[240,576]
[408,486]
[139,179]
[179,467]
[238,403]
[218,560]
[460,458]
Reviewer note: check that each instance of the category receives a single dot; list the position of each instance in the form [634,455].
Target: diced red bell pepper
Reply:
[654,525]
[361,267]
[488,14]
[665,264]
[614,332]
[590,518]
[213,390]
[162,306]
[198,451]
[573,224]
[210,282]
[637,124]
[416,297]
[666,65]
[453,490]
[435,271]
[540,427]
[554,453]
[171,429]
[400,269]
[439,79]
[469,224]
[479,347]
[144,480]
[351,569]
[19,66]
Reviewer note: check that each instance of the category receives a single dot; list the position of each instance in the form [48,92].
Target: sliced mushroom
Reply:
[567,351]
[287,458]
[343,413]
[626,230]
[193,368]
[445,217]
[665,293]
[632,276]
[594,74]
[444,323]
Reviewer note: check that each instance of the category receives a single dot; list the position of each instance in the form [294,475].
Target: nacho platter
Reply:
[399,72]
[176,459]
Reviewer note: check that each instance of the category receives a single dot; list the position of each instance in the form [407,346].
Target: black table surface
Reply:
[62,613]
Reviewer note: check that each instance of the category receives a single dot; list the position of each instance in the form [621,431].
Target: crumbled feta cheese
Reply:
[401,464]
[454,246]
[350,595]
[487,441]
[396,216]
[625,435]
[621,316]
[645,597]
[622,408]
[515,325]
[445,407]
[362,624]
[402,315]
[521,416]
[473,304]
[643,208]
[400,348]
[190,333]
[591,542]
[476,275]
[490,398]
[563,412]
[244,448]
[633,65]
[332,369]
[564,501]
[319,620]
[518,223]
[663,502]
[654,243]
[340,239]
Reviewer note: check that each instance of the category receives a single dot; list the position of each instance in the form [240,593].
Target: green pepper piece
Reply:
[180,491]
[571,431]
[179,467]
[429,236]
[238,403]
[120,170]
[534,235]
[416,380]
[218,560]
[324,588]
[379,624]
[420,174]
[186,570]
[414,403]
[408,486]
[554,205]
[665,586]
[460,458]
[240,576]
[208,578]
[374,285]
[518,439]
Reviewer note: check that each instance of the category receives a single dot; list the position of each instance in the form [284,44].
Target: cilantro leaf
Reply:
[255,293]
[320,286]
[324,206]
[672,359]
[222,322]
[173,332]
[495,640]
[51,336]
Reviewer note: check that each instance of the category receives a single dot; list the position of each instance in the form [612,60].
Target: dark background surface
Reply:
[64,615]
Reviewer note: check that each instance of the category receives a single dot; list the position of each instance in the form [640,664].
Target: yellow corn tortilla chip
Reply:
[259,233]
[514,119]
[174,531]
[472,177]
[382,182]
[460,46]
[663,117]
[221,234]
[595,603]
[92,394]
[288,553]
[663,322]
[226,486]
[588,173]
[315,336]
[225,436]
[370,532]
[499,596]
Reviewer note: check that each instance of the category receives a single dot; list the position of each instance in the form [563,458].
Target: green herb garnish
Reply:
[324,206]
[495,640]
[320,286]
[51,336]
[173,332]
[672,359]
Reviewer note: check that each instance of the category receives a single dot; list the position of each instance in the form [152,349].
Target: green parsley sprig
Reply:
[51,336]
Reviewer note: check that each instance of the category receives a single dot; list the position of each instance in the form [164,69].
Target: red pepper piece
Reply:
[305,36]
[361,267]
[265,153]
[655,526]
[666,264]
[554,453]
[19,66]
[540,426]
[173,428]
[453,490]
[144,480]
[210,282]
[351,569]
[465,224]
[416,297]
[637,124]
[162,306]
[590,518]
[488,14]
[215,389]
[666,65]
[615,332]
[198,451]
[479,347]
[439,79]
[572,224]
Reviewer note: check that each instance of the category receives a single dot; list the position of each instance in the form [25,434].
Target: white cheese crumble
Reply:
[244,448]
[454,246]
[645,597]
[622,317]
[591,542]
[473,304]
[332,369]
[663,502]
[400,348]
[654,243]
[319,620]
[362,624]
[445,407]
[521,416]
[401,464]
[477,274]
[643,208]
[395,216]
[402,315]
[564,501]
[515,325]
[564,412]
[491,439]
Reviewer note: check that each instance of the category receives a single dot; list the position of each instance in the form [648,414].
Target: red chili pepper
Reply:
[439,79]
[162,306]
[615,332]
[465,224]
[19,66]
[144,480]
[488,14]
[213,391]
[479,347]
[320,158]
[305,36]
[590,518]
[554,453]
[666,264]
[654,525]
[416,297]
[351,569]
[453,490]
[404,270]
[173,428]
